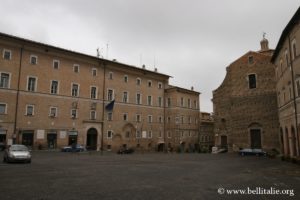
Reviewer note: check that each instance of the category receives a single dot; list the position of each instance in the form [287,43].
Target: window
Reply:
[149,100]
[7,54]
[169,119]
[149,83]
[138,98]
[169,102]
[286,58]
[93,92]
[181,101]
[93,115]
[33,59]
[169,134]
[54,87]
[190,119]
[252,81]
[94,72]
[74,113]
[298,87]
[126,79]
[182,119]
[138,118]
[110,95]
[109,116]
[55,64]
[29,110]
[125,116]
[250,60]
[3,108]
[160,119]
[190,134]
[31,84]
[5,80]
[294,48]
[125,97]
[189,103]
[76,68]
[110,75]
[159,134]
[159,85]
[138,134]
[182,134]
[195,104]
[127,134]
[75,90]
[149,118]
[53,112]
[160,101]
[176,120]
[149,134]
[138,81]
[109,134]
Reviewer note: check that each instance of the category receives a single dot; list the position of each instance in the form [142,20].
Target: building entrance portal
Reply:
[27,138]
[91,139]
[255,135]
[224,141]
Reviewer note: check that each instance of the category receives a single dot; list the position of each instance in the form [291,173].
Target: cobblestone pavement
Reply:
[57,175]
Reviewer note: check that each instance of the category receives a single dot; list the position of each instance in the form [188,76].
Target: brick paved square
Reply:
[57,175]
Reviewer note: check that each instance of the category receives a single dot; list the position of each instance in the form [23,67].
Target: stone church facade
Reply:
[244,105]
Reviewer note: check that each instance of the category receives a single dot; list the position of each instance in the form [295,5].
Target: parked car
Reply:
[256,152]
[125,151]
[73,148]
[17,153]
[2,146]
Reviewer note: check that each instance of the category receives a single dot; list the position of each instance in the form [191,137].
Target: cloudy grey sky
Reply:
[191,40]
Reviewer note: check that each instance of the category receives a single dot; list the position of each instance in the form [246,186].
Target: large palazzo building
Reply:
[287,65]
[52,97]
[245,104]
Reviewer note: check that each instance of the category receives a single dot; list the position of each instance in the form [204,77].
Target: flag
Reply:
[110,106]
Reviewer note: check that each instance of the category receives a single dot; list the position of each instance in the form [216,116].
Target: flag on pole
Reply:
[110,106]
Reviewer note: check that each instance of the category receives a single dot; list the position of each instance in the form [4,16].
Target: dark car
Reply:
[73,148]
[17,153]
[126,151]
[256,152]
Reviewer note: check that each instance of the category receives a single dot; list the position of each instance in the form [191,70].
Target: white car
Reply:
[17,153]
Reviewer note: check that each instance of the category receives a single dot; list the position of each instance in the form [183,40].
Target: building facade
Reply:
[52,97]
[206,132]
[245,106]
[182,119]
[287,66]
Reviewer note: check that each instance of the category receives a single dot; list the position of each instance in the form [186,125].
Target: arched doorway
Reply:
[224,141]
[255,135]
[91,139]
[281,141]
[293,142]
[286,143]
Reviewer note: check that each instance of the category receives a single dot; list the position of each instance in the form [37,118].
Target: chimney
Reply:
[192,88]
[144,66]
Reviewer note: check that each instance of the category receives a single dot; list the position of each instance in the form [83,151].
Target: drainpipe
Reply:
[16,135]
[294,94]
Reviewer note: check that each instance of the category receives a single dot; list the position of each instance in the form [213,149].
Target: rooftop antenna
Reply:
[107,51]
[98,53]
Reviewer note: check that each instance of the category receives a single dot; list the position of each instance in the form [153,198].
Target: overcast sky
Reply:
[191,40]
